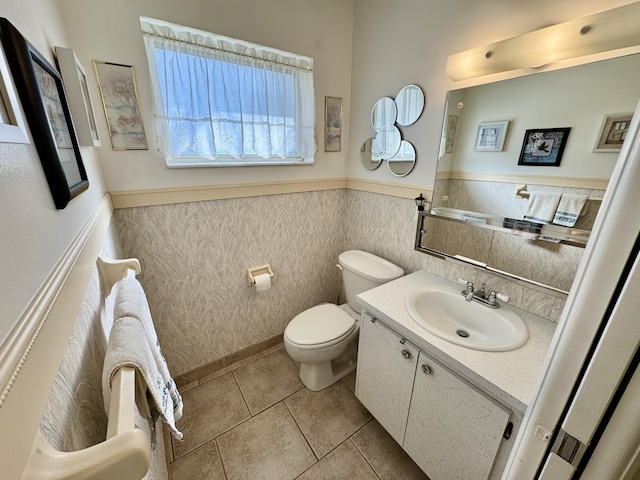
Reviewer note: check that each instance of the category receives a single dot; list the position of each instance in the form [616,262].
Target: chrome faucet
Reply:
[481,296]
[468,292]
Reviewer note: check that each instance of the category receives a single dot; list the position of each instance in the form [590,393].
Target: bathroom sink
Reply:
[448,315]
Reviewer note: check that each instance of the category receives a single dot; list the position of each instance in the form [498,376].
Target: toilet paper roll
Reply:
[263,282]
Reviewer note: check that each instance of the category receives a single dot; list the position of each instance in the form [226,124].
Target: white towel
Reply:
[569,209]
[542,206]
[135,342]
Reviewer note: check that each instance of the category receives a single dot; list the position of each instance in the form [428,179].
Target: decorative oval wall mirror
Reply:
[386,143]
[410,103]
[403,161]
[367,157]
[384,113]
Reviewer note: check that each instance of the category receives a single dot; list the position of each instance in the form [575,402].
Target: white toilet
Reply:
[324,338]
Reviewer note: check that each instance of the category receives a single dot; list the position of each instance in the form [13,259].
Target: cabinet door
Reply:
[384,379]
[453,431]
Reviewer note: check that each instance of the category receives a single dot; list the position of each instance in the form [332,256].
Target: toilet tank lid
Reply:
[370,266]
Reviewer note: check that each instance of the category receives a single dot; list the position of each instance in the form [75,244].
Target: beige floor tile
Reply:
[268,380]
[201,464]
[209,410]
[387,458]
[345,462]
[327,418]
[268,447]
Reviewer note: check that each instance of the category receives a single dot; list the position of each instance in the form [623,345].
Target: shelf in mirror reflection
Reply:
[534,231]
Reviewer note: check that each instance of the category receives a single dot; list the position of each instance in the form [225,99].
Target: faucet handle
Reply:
[502,297]
[464,283]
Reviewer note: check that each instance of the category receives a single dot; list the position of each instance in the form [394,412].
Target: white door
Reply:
[605,380]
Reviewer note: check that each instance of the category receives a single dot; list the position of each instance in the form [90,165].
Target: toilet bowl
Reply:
[323,339]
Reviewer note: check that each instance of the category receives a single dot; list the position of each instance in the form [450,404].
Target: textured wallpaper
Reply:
[74,417]
[195,255]
[195,258]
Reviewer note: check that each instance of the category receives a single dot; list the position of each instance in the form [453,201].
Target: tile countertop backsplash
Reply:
[510,376]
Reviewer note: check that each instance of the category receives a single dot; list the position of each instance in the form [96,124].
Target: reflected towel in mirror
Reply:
[542,207]
[569,209]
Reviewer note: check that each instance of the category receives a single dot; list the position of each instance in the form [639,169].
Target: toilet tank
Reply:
[362,271]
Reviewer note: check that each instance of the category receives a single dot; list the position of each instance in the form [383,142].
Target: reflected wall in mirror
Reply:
[384,113]
[476,189]
[410,103]
[402,162]
[386,143]
[367,157]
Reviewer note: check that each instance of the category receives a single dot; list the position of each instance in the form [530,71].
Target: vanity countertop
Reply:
[508,376]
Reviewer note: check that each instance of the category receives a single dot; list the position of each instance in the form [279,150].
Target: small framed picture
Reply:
[333,124]
[544,146]
[613,132]
[12,125]
[77,88]
[121,105]
[490,137]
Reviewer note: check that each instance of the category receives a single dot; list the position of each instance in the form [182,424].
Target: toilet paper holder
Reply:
[253,272]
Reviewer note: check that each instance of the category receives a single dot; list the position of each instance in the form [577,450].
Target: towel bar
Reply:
[521,192]
[125,454]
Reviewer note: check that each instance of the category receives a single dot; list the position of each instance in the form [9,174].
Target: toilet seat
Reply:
[320,326]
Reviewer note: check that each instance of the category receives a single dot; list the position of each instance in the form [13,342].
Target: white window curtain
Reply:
[222,101]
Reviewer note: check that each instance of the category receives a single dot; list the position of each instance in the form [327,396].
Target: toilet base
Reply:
[318,376]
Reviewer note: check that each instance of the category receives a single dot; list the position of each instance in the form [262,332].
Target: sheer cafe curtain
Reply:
[222,101]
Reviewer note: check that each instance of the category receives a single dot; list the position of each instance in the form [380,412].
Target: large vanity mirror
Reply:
[484,188]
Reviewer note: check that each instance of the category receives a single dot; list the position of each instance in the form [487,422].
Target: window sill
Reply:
[201,164]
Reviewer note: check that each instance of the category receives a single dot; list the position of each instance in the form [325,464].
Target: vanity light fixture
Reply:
[601,36]
[420,202]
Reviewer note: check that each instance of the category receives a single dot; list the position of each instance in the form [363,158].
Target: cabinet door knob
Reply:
[406,354]
[426,369]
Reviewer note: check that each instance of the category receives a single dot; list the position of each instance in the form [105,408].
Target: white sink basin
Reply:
[449,316]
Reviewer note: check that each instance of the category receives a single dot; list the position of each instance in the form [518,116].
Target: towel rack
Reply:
[125,453]
[521,192]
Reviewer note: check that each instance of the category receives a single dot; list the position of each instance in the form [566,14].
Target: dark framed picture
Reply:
[543,146]
[43,99]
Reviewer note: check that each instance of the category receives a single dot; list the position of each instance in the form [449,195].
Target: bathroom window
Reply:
[225,102]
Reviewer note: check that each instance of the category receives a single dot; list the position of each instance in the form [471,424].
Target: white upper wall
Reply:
[33,234]
[408,41]
[109,30]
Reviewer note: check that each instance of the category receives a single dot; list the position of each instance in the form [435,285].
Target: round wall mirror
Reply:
[384,113]
[369,160]
[404,161]
[386,143]
[409,104]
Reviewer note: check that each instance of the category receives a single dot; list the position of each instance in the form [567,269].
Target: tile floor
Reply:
[256,420]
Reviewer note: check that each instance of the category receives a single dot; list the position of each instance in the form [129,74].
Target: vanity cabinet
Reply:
[450,428]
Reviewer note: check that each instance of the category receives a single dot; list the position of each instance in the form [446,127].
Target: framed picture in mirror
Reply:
[332,124]
[544,146]
[613,132]
[450,133]
[490,137]
[45,106]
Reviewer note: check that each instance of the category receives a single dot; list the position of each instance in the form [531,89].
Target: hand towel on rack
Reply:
[541,207]
[569,209]
[131,302]
[128,346]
